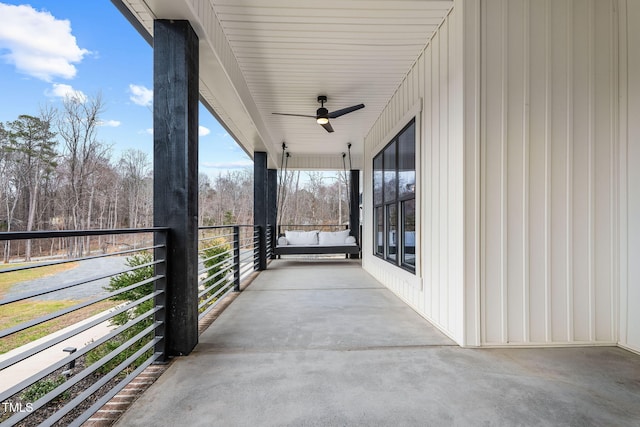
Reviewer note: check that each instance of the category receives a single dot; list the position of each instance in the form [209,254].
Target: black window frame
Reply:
[390,244]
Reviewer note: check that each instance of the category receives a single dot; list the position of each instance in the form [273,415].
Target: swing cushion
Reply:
[302,237]
[331,238]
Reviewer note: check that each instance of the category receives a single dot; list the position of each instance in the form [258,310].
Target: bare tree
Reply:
[77,126]
[135,169]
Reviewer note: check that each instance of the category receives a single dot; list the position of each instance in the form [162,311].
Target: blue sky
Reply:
[49,49]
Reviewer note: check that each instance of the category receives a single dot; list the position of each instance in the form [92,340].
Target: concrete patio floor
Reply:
[321,343]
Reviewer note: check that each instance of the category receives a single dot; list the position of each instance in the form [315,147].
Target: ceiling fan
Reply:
[323,115]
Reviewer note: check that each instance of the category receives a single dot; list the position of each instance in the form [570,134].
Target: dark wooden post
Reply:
[260,202]
[175,166]
[272,203]
[354,217]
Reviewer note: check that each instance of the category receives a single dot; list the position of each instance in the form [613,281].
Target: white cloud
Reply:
[111,123]
[141,95]
[149,131]
[37,43]
[240,164]
[66,91]
[203,131]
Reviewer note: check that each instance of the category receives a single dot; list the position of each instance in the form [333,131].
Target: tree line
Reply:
[56,174]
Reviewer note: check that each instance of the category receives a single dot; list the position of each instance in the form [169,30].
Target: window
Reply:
[394,200]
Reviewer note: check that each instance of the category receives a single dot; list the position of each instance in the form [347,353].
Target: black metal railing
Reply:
[114,294]
[68,387]
[227,257]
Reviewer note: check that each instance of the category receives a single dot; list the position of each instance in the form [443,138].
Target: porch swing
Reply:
[314,242]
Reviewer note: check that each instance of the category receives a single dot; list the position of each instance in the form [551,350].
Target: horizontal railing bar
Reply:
[107,397]
[246,258]
[58,339]
[28,295]
[204,270]
[228,252]
[22,235]
[46,318]
[212,297]
[226,270]
[225,242]
[212,306]
[221,245]
[217,236]
[311,225]
[102,381]
[226,274]
[117,331]
[70,260]
[214,227]
[89,370]
[218,283]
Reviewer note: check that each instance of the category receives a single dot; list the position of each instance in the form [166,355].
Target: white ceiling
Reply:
[279,55]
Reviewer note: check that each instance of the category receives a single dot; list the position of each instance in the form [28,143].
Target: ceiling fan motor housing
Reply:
[322,112]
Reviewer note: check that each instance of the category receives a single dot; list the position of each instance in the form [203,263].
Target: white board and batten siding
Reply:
[548,172]
[430,93]
[554,196]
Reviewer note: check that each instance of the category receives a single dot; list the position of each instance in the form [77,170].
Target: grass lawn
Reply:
[22,311]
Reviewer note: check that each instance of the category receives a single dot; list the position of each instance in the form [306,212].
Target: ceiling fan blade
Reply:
[338,113]
[295,115]
[327,126]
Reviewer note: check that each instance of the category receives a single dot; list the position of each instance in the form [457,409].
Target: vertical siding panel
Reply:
[484,142]
[513,185]
[454,175]
[535,177]
[504,220]
[569,172]
[493,92]
[559,130]
[444,177]
[435,173]
[604,191]
[427,182]
[591,321]
[526,300]
[581,209]
[548,330]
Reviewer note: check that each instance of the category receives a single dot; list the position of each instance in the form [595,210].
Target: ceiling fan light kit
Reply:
[323,115]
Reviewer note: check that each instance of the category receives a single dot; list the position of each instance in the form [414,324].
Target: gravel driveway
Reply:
[85,270]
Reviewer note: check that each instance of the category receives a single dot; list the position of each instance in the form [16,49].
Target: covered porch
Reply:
[322,343]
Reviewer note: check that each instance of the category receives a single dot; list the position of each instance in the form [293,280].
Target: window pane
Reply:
[407,162]
[390,173]
[377,179]
[392,232]
[379,231]
[409,233]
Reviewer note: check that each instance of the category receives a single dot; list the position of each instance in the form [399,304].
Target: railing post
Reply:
[160,239]
[236,258]
[259,248]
